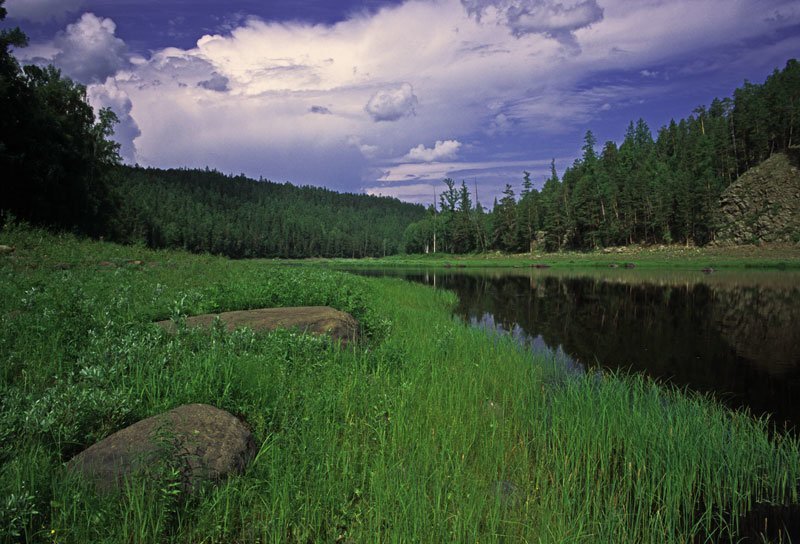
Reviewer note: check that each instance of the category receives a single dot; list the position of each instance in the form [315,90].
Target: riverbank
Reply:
[427,431]
[767,256]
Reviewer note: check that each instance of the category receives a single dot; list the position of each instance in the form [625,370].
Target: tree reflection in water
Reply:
[735,335]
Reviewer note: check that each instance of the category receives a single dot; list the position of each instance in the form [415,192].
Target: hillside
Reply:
[206,211]
[763,205]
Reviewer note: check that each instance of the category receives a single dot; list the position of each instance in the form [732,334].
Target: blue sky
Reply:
[389,97]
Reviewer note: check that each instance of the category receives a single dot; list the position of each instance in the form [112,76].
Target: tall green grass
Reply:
[677,257]
[428,431]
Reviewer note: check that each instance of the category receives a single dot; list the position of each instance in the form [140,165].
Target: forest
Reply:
[55,153]
[206,211]
[62,170]
[647,190]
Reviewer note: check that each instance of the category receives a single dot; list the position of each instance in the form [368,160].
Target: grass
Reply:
[768,256]
[428,431]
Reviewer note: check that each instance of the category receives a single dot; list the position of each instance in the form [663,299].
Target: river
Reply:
[732,334]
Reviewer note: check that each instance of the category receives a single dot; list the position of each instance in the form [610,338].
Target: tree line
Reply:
[647,190]
[206,211]
[55,153]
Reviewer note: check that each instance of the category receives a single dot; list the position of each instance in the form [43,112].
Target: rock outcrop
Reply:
[341,326]
[763,205]
[197,442]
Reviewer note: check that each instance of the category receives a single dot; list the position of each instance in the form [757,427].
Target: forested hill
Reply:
[206,211]
[649,189]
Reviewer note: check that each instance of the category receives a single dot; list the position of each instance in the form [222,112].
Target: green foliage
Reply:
[408,436]
[505,222]
[54,153]
[206,211]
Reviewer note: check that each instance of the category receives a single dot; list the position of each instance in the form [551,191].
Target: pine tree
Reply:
[462,227]
[505,221]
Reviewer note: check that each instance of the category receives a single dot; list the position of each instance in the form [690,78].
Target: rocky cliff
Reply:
[763,205]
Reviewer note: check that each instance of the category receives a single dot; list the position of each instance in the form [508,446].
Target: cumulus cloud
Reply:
[109,95]
[88,50]
[40,11]
[509,88]
[557,19]
[392,104]
[441,151]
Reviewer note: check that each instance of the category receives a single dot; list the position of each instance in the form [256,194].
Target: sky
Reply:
[391,96]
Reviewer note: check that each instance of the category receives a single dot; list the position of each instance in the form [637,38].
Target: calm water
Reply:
[733,334]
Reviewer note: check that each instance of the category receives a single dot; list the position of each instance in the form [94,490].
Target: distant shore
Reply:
[767,256]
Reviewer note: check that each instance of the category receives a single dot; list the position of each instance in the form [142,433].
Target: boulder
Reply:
[341,326]
[202,442]
[7,250]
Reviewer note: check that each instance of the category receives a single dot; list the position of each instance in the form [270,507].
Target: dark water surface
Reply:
[733,334]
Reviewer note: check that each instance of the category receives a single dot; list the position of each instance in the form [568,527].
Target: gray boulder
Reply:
[197,442]
[341,326]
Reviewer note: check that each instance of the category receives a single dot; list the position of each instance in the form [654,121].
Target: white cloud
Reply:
[337,103]
[439,170]
[109,95]
[216,83]
[367,150]
[40,11]
[441,151]
[392,104]
[88,50]
[557,19]
[416,192]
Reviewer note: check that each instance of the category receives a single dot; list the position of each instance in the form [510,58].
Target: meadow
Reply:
[426,431]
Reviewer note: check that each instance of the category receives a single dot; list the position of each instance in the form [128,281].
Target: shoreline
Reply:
[774,256]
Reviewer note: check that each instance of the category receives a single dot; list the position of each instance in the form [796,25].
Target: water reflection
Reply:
[536,344]
[736,335]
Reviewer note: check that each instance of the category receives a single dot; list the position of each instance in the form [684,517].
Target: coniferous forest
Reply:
[61,170]
[648,190]
[206,211]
